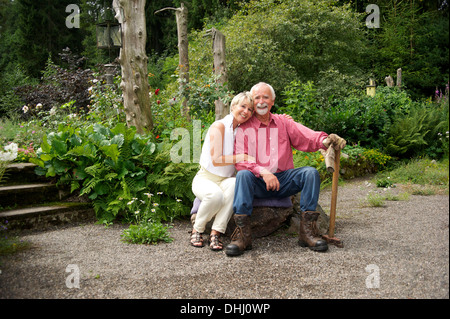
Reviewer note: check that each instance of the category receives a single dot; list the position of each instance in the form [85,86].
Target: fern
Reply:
[411,134]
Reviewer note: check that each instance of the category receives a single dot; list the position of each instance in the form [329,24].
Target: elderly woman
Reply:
[214,182]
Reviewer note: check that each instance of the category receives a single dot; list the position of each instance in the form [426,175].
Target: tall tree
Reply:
[181,14]
[133,60]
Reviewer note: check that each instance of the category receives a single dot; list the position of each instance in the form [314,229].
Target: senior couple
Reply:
[257,144]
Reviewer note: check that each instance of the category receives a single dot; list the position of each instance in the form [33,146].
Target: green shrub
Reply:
[112,166]
[358,162]
[418,132]
[296,39]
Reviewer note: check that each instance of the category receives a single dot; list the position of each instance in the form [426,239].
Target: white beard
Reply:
[262,111]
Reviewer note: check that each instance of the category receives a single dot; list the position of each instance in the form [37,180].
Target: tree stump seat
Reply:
[269,214]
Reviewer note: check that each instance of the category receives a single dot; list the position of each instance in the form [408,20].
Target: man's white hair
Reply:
[263,83]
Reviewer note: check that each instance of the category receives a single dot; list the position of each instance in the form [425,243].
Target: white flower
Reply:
[13,148]
[179,200]
[25,109]
[148,194]
[153,210]
[137,212]
[159,193]
[53,111]
[155,204]
[10,154]
[39,105]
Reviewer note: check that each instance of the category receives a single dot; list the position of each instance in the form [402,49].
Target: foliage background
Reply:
[318,55]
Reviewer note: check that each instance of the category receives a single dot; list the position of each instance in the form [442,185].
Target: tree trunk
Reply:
[183,50]
[219,69]
[133,60]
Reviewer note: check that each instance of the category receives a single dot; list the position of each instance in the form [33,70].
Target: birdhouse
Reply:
[371,88]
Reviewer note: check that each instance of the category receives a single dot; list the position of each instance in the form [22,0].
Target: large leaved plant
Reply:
[109,165]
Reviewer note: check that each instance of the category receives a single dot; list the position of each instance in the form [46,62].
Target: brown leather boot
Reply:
[241,239]
[308,234]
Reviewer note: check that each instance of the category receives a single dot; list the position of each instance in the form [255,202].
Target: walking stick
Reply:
[334,190]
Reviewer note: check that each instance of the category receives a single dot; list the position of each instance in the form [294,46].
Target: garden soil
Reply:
[399,250]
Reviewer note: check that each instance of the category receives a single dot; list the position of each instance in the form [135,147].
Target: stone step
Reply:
[21,173]
[46,216]
[20,195]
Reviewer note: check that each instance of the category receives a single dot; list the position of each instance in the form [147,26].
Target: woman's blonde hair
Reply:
[239,98]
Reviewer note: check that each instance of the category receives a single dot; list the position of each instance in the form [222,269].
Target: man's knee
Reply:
[311,172]
[244,175]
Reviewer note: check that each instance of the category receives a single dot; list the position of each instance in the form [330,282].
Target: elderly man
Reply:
[269,137]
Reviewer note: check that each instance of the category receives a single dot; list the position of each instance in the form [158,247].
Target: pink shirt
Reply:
[271,145]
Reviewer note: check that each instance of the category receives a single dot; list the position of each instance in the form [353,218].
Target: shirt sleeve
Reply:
[303,138]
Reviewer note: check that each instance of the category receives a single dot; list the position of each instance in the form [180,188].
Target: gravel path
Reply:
[400,250]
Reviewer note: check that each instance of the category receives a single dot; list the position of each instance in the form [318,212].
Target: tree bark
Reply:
[183,50]
[219,69]
[133,60]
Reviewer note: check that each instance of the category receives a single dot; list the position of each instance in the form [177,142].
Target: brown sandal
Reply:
[196,239]
[215,243]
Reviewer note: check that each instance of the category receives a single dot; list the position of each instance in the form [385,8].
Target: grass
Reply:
[421,176]
[422,171]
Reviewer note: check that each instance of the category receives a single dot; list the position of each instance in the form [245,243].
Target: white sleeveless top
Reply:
[228,148]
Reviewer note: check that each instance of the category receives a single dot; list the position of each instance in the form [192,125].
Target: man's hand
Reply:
[337,142]
[272,183]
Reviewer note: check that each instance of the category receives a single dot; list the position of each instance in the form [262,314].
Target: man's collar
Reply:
[271,118]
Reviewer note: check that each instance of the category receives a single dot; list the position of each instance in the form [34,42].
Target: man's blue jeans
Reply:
[304,179]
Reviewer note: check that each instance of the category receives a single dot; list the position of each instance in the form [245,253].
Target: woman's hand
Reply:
[287,116]
[245,157]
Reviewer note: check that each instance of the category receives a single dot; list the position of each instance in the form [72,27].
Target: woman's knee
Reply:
[215,196]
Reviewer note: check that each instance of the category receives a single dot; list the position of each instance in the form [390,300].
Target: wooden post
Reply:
[399,78]
[389,81]
[133,61]
[183,50]
[219,68]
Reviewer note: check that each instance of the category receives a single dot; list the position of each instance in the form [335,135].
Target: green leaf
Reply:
[111,151]
[59,147]
[118,139]
[45,146]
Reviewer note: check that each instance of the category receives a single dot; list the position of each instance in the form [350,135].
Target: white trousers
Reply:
[216,194]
